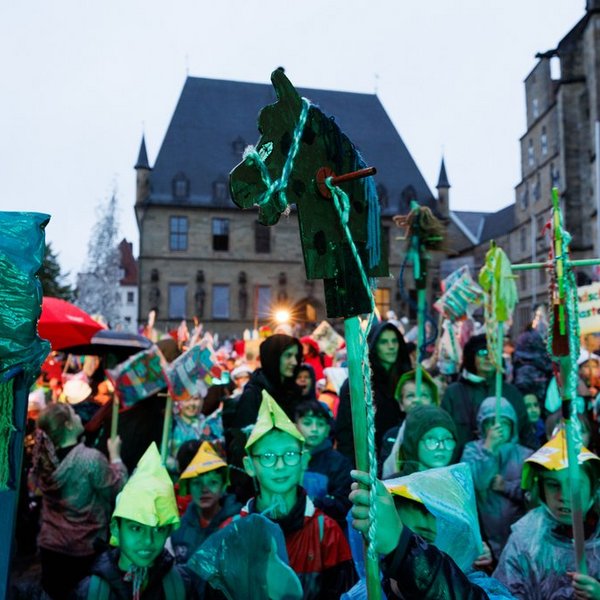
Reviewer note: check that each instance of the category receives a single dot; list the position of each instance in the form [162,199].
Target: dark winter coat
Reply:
[425,573]
[286,393]
[463,399]
[327,481]
[190,535]
[107,568]
[383,386]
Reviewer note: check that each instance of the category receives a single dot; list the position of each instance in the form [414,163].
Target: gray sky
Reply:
[82,80]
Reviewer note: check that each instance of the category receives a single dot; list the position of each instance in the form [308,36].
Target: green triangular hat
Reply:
[148,497]
[271,416]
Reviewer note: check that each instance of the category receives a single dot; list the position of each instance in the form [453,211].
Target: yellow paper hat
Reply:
[148,497]
[404,491]
[553,456]
[205,460]
[271,416]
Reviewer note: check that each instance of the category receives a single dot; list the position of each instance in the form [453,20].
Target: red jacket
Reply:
[317,549]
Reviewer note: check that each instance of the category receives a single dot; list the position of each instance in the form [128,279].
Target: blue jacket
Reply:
[327,481]
[190,535]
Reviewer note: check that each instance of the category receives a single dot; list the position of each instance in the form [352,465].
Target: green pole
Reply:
[499,352]
[577,515]
[359,427]
[421,302]
[166,433]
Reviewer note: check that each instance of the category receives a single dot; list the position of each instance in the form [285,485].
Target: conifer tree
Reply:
[52,280]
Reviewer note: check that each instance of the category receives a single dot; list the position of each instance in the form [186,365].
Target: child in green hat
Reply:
[317,549]
[139,567]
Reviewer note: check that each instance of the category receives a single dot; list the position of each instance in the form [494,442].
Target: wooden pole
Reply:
[166,433]
[359,427]
[114,422]
[499,351]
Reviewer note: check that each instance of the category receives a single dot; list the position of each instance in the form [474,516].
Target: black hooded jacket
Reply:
[463,398]
[286,393]
[383,385]
[106,567]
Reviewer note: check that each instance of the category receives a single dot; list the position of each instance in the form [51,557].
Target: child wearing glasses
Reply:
[496,461]
[429,440]
[317,549]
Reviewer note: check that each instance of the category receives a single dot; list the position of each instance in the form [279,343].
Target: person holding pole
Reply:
[477,382]
[538,562]
[78,486]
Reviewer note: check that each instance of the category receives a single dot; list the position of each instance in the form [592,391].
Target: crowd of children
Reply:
[256,497]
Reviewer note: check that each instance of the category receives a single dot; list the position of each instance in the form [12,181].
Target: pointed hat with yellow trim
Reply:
[271,416]
[148,497]
[206,459]
[553,456]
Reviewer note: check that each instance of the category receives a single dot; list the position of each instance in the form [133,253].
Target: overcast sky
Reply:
[81,81]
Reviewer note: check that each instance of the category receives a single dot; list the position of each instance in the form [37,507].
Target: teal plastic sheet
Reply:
[21,255]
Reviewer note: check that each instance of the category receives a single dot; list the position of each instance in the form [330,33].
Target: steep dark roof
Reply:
[481,226]
[473,222]
[215,119]
[142,161]
[443,178]
[128,263]
[498,223]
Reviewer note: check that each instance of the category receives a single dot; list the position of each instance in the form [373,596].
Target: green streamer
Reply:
[6,428]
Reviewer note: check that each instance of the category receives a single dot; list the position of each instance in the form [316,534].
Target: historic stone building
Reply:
[202,257]
[561,148]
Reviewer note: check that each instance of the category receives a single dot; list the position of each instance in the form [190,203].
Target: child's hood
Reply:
[487,410]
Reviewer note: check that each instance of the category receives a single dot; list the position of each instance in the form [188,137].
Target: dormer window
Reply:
[181,187]
[220,192]
[382,194]
[408,194]
[238,146]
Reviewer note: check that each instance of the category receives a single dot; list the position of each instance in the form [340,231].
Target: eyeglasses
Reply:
[482,352]
[434,443]
[269,459]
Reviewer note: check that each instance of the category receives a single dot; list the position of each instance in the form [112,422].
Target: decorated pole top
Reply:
[301,152]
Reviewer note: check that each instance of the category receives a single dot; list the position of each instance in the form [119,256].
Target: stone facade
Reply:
[203,258]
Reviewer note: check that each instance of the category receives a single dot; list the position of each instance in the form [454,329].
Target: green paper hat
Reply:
[271,416]
[148,497]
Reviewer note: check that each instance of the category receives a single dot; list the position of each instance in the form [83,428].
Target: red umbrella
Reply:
[63,324]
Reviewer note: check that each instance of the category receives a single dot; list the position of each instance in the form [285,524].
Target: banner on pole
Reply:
[139,376]
[192,373]
[589,308]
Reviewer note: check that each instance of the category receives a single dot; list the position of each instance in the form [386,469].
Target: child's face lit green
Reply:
[557,493]
[314,429]
[140,544]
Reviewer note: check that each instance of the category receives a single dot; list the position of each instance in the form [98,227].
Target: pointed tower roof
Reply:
[142,161]
[443,178]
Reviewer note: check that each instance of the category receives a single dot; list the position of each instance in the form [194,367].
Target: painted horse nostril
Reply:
[320,242]
[298,187]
